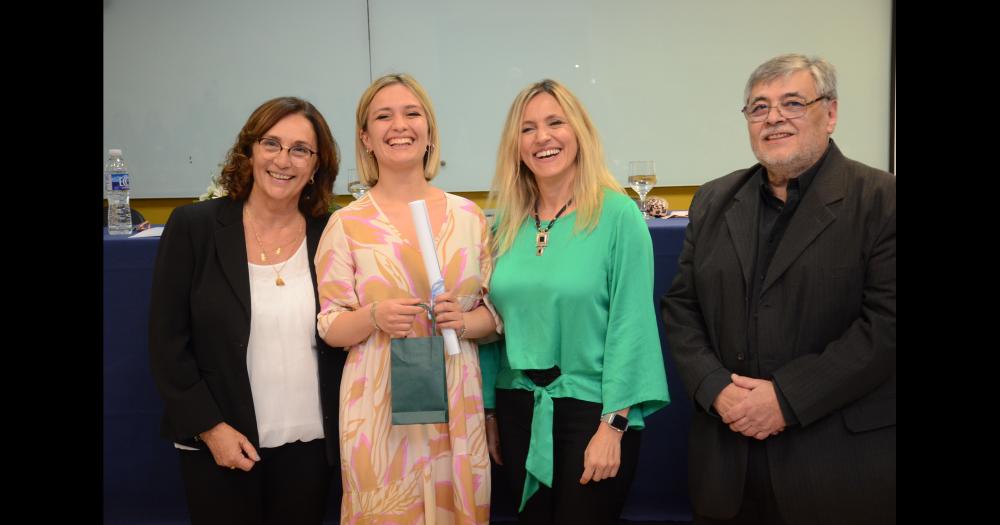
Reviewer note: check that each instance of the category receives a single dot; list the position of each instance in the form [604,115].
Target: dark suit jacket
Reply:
[199,326]
[827,325]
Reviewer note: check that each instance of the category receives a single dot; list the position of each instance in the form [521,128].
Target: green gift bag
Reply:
[418,381]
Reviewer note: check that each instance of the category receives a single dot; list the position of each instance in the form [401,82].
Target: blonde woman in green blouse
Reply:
[579,366]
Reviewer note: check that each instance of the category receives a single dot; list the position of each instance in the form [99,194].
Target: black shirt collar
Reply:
[800,183]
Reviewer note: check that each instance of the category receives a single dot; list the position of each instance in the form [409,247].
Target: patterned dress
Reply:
[437,473]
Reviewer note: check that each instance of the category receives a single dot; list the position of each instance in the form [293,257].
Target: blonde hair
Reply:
[514,190]
[366,162]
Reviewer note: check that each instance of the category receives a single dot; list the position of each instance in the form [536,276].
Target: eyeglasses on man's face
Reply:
[298,153]
[790,108]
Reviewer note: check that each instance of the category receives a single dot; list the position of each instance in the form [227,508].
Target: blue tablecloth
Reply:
[141,474]
[660,489]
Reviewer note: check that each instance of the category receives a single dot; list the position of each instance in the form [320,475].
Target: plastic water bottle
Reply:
[116,184]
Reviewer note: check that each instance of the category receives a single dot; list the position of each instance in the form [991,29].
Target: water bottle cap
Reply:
[115,152]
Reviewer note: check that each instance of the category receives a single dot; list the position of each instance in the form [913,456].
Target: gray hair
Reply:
[823,73]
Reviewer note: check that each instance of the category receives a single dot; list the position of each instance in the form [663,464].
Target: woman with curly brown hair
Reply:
[249,390]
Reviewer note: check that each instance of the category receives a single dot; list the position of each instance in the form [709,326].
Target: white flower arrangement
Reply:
[214,191]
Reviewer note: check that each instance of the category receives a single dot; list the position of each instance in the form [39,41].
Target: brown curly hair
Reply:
[237,172]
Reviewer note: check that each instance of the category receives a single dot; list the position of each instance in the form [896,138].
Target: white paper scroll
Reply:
[422,223]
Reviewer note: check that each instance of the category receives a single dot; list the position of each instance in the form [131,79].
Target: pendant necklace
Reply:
[542,237]
[278,281]
[263,252]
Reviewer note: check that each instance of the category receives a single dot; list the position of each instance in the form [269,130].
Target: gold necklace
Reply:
[278,281]
[253,230]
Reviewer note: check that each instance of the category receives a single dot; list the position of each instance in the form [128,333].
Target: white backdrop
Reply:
[662,79]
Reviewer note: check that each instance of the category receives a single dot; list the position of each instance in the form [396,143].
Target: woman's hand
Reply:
[395,316]
[493,437]
[603,455]
[448,312]
[229,447]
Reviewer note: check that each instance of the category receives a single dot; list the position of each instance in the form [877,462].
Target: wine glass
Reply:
[642,178]
[356,187]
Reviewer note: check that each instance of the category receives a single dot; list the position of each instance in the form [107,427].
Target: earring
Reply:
[312,179]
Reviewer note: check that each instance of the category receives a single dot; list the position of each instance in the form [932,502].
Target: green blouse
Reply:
[586,304]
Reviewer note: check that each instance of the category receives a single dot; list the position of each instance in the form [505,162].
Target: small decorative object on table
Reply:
[656,207]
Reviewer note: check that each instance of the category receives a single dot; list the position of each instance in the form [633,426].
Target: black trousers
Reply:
[289,485]
[759,506]
[574,423]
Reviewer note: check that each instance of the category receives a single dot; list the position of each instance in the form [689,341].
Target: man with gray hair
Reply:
[782,319]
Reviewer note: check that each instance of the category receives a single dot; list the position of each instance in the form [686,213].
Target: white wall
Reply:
[663,79]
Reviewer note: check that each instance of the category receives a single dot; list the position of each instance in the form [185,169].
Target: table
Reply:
[141,474]
[660,489]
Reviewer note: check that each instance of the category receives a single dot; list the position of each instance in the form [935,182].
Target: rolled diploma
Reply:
[422,223]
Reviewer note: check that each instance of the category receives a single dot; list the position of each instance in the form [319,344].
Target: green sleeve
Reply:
[634,374]
[489,364]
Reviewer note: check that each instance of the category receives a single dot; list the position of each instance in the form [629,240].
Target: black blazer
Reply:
[827,337]
[199,326]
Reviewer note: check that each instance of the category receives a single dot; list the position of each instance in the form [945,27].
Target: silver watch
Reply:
[616,421]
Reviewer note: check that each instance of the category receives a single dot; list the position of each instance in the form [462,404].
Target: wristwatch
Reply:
[615,421]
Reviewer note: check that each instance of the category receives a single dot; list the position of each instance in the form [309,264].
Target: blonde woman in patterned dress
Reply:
[371,277]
